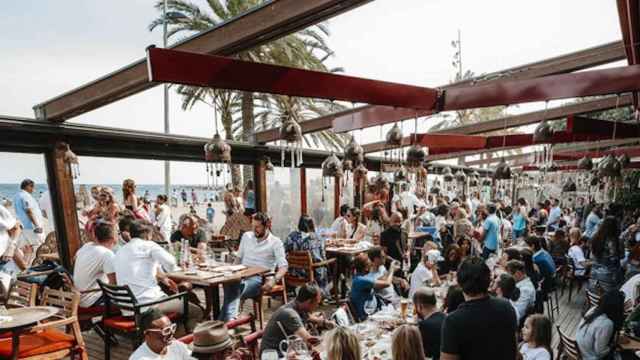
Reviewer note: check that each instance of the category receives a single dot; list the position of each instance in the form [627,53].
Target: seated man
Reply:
[426,273]
[391,239]
[137,265]
[190,230]
[158,339]
[290,318]
[430,321]
[527,299]
[94,261]
[257,248]
[377,271]
[363,286]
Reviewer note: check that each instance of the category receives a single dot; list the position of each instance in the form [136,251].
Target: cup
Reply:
[404,306]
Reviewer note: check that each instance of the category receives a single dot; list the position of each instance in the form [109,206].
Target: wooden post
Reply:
[303,191]
[336,196]
[260,181]
[358,201]
[63,202]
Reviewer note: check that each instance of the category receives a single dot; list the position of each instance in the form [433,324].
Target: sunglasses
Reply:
[166,331]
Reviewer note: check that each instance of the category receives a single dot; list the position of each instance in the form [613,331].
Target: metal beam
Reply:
[586,83]
[219,72]
[265,23]
[377,115]
[629,15]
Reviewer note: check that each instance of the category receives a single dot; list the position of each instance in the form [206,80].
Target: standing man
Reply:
[491,236]
[391,239]
[593,220]
[30,215]
[257,248]
[464,333]
[183,195]
[163,217]
[555,214]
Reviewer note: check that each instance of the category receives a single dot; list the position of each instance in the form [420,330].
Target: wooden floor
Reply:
[568,318]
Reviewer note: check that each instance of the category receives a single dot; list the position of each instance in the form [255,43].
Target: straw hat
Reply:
[210,337]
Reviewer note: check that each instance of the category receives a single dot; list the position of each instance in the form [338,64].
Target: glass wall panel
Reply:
[320,198]
[283,199]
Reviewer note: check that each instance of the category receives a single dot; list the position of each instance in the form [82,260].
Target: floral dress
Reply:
[300,241]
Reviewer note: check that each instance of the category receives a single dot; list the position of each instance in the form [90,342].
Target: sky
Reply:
[49,47]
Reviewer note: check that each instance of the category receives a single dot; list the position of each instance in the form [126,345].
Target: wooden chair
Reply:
[567,347]
[571,278]
[593,299]
[301,269]
[252,343]
[122,298]
[46,341]
[23,294]
[278,290]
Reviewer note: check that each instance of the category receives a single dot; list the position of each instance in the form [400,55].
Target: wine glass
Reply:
[299,347]
[269,354]
[370,307]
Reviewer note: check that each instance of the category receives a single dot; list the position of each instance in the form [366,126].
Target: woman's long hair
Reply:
[128,188]
[541,332]
[611,305]
[407,344]
[342,344]
[306,224]
[607,231]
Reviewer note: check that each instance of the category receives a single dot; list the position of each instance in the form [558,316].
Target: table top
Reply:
[627,343]
[21,317]
[209,276]
[345,250]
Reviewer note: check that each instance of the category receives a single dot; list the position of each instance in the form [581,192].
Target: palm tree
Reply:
[305,49]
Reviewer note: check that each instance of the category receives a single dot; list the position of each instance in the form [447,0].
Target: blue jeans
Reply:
[486,252]
[234,292]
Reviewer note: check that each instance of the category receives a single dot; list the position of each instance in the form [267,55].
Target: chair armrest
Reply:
[88,291]
[323,263]
[164,299]
[245,319]
[56,323]
[35,273]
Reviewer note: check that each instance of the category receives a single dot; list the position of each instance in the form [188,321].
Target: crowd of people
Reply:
[499,263]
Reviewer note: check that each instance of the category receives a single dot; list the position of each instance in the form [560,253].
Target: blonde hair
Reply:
[407,344]
[342,344]
[462,214]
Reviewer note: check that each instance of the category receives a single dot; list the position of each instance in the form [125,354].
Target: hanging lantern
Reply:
[71,159]
[360,173]
[347,165]
[474,179]
[291,133]
[332,167]
[380,181]
[503,171]
[354,153]
[415,156]
[447,174]
[624,160]
[609,167]
[460,176]
[585,163]
[268,164]
[217,150]
[401,175]
[543,132]
[569,186]
[394,136]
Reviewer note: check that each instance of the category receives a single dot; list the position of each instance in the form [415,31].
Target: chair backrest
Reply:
[636,294]
[66,300]
[23,294]
[300,260]
[119,296]
[628,308]
[568,346]
[593,299]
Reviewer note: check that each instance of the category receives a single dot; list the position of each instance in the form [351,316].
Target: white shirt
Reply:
[575,252]
[175,351]
[136,265]
[408,200]
[421,277]
[629,287]
[527,297]
[267,253]
[93,263]
[163,219]
[529,353]
[45,205]
[7,222]
[387,293]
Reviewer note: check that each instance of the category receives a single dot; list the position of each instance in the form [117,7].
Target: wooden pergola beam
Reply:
[629,15]
[265,23]
[378,115]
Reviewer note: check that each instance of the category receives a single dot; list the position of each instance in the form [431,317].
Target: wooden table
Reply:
[22,319]
[208,280]
[627,343]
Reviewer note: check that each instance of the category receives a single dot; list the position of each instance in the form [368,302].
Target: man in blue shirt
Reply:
[29,213]
[491,237]
[554,216]
[211,212]
[593,220]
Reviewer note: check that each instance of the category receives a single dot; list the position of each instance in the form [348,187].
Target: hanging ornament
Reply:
[486,182]
[353,153]
[474,179]
[415,156]
[609,167]
[71,159]
[543,132]
[360,173]
[394,136]
[503,171]
[291,133]
[569,186]
[332,167]
[447,174]
[217,150]
[268,166]
[585,163]
[460,176]
[624,160]
[401,175]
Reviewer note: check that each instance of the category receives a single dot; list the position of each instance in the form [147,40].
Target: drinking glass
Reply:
[299,347]
[370,307]
[269,354]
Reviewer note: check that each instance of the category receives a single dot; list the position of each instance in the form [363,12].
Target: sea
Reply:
[9,191]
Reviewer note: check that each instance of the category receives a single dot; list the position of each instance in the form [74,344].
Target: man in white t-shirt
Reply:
[406,199]
[377,270]
[630,286]
[94,261]
[137,265]
[163,217]
[29,213]
[426,273]
[159,343]
[257,248]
